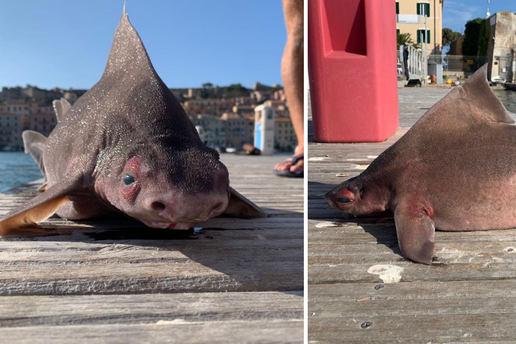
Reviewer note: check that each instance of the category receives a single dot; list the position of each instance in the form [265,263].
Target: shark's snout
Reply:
[186,210]
[329,197]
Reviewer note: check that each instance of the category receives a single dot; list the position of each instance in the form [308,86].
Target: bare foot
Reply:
[288,165]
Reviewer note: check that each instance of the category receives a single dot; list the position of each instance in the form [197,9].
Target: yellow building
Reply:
[410,18]
[285,138]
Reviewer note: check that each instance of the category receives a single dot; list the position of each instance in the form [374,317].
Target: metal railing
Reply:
[415,67]
[460,63]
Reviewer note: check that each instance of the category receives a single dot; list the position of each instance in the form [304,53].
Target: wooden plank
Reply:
[283,331]
[323,295]
[416,312]
[49,311]
[249,264]
[451,328]
[348,231]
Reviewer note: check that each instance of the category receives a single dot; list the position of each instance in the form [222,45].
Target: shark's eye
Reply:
[343,200]
[128,179]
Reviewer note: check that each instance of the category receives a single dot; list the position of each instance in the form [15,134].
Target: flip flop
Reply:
[289,174]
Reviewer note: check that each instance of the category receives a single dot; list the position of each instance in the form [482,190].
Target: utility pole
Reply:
[425,60]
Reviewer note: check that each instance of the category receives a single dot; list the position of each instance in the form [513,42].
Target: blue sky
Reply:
[457,12]
[66,43]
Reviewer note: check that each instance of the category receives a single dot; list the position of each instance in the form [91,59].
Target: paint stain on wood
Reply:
[387,273]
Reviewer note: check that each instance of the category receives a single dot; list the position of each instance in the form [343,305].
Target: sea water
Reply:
[17,168]
[508,99]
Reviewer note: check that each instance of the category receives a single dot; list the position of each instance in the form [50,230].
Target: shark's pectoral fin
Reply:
[61,107]
[34,144]
[39,208]
[239,206]
[43,187]
[416,233]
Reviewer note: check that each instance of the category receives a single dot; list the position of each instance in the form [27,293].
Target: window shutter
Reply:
[428,36]
[419,36]
[423,9]
[397,8]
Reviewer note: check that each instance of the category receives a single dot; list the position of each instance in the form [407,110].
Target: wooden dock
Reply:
[361,290]
[116,281]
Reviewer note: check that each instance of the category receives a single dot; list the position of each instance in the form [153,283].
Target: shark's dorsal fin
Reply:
[128,54]
[473,101]
[61,107]
[462,112]
[478,93]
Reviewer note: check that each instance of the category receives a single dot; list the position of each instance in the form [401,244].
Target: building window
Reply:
[423,9]
[421,36]
[397,8]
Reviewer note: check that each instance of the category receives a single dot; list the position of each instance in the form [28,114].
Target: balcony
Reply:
[408,19]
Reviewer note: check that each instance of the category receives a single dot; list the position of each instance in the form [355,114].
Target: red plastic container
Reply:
[352,69]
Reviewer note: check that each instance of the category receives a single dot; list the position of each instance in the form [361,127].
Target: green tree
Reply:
[406,38]
[483,38]
[235,90]
[472,33]
[450,36]
[204,91]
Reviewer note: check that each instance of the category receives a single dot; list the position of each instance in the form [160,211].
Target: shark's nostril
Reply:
[158,206]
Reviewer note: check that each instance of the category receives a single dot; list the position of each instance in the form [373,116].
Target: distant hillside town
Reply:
[225,113]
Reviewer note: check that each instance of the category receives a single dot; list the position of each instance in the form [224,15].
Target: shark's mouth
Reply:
[174,225]
[177,225]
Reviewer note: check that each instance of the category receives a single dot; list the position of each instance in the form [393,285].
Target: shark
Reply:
[454,170]
[127,147]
